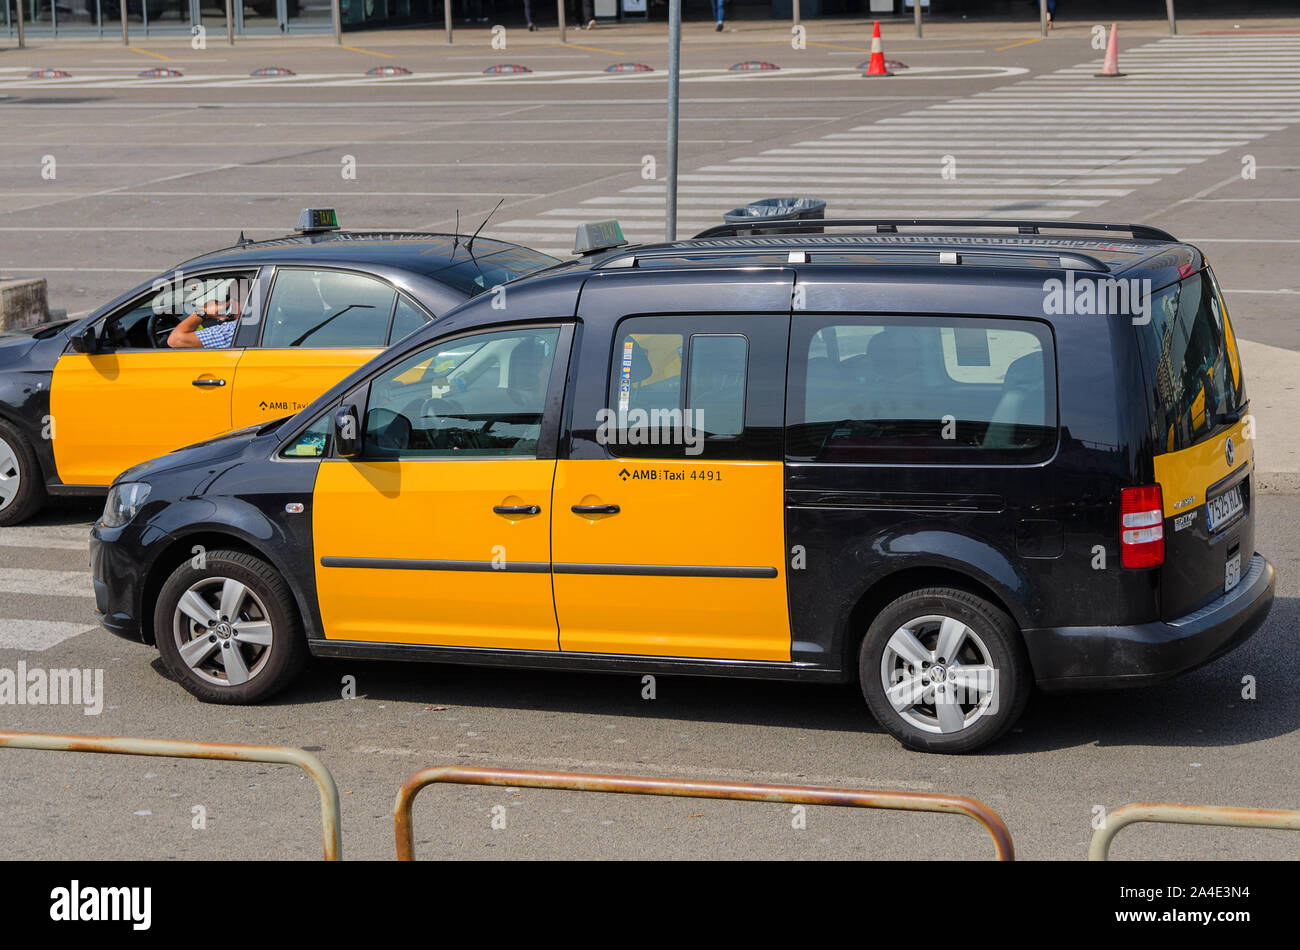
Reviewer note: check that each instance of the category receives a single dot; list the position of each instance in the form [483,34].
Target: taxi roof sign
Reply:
[314,220]
[598,236]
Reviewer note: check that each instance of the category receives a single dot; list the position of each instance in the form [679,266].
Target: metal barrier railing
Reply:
[690,788]
[1125,815]
[169,748]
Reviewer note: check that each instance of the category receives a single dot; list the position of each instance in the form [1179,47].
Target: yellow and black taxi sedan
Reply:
[230,339]
[889,456]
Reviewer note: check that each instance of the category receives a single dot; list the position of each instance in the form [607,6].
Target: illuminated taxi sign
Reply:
[598,236]
[312,220]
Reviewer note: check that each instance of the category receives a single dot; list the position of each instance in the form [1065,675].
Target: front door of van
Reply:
[439,533]
[137,398]
[668,530]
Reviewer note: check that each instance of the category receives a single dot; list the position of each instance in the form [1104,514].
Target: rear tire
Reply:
[229,630]
[22,484]
[944,670]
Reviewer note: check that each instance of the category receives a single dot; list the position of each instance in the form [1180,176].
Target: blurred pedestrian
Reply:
[528,15]
[1051,10]
[718,14]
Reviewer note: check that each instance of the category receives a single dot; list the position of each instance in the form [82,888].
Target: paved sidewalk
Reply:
[1272,382]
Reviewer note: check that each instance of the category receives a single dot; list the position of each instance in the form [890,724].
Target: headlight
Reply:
[124,501]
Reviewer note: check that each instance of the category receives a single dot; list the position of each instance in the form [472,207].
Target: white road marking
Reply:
[1053,143]
[62,538]
[38,635]
[30,580]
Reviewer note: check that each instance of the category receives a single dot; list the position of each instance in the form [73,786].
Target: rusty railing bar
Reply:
[171,748]
[1125,815]
[690,788]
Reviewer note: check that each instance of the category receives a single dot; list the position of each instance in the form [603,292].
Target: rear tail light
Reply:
[1142,527]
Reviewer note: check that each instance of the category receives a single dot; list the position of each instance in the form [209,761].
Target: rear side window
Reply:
[675,393]
[407,318]
[321,308]
[921,389]
[1190,361]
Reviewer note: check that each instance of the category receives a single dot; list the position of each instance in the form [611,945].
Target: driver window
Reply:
[475,396]
[146,323]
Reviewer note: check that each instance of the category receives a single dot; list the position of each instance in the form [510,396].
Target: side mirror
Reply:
[347,435]
[86,341]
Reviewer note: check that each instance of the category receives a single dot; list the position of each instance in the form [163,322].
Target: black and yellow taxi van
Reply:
[82,400]
[945,460]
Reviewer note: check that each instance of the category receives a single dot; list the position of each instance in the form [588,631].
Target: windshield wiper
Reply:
[324,323]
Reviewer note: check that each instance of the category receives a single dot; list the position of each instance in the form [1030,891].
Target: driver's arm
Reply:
[183,335]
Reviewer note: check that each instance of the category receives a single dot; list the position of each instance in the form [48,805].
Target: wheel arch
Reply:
[889,588]
[181,548]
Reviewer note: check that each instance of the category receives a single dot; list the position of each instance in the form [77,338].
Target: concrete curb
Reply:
[22,303]
[1272,381]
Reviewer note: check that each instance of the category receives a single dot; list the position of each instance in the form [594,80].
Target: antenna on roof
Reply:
[455,243]
[242,240]
[470,246]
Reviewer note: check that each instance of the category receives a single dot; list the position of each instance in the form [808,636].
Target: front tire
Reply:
[944,670]
[228,629]
[22,486]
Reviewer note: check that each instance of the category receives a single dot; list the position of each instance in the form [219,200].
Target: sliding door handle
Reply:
[595,509]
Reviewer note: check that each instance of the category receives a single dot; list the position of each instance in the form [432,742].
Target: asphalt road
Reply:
[150,172]
[107,178]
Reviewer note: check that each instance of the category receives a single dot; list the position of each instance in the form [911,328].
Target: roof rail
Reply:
[1139,232]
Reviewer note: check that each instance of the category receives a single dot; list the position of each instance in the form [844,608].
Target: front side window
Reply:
[966,390]
[475,396]
[321,308]
[223,300]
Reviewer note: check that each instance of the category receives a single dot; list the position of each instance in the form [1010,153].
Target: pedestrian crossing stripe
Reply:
[1051,145]
[38,635]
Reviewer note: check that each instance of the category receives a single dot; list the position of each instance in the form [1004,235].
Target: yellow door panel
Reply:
[114,410]
[1186,474]
[277,382]
[692,565]
[412,552]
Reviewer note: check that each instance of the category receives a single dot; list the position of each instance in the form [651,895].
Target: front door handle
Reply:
[208,382]
[517,510]
[595,509]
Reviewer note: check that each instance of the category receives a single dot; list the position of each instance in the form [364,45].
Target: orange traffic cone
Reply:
[876,67]
[1110,67]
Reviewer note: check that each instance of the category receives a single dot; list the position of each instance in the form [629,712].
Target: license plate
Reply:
[1232,573]
[1219,511]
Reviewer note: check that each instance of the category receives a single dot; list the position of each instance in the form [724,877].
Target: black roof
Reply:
[1134,250]
[419,252]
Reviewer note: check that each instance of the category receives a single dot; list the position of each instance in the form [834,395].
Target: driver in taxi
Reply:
[189,334]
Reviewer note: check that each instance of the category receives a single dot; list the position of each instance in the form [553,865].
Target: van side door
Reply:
[667,535]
